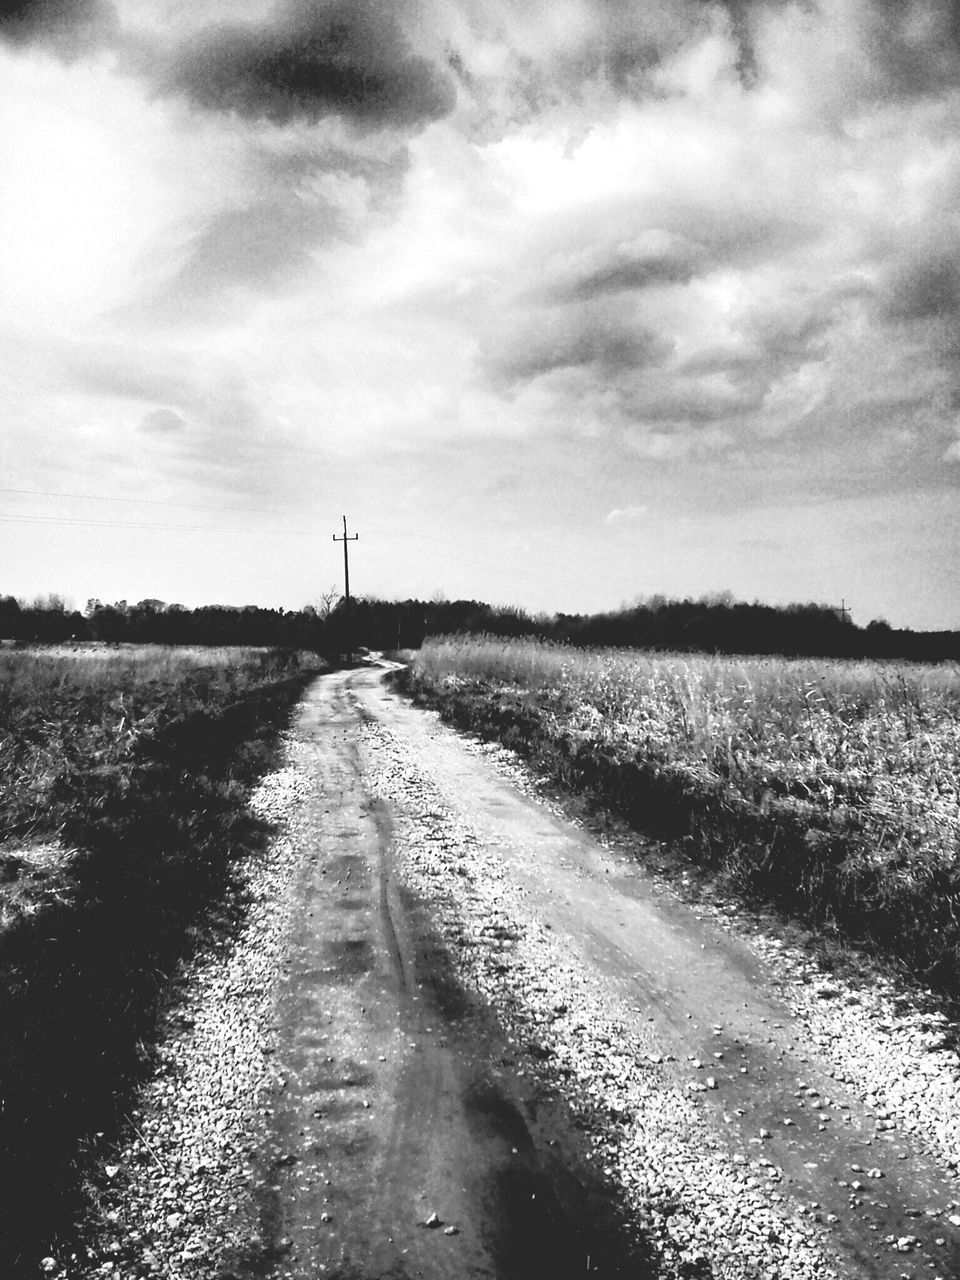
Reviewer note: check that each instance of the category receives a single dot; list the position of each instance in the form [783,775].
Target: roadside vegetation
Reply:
[124,776]
[713,624]
[825,788]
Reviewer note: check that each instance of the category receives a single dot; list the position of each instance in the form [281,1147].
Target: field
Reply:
[826,788]
[124,775]
[77,720]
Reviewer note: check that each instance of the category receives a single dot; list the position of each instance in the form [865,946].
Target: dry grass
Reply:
[124,777]
[72,710]
[828,786]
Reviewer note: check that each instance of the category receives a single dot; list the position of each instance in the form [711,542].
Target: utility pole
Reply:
[346,584]
[844,611]
[346,559]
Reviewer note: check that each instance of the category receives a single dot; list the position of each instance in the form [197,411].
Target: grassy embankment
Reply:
[123,785]
[828,789]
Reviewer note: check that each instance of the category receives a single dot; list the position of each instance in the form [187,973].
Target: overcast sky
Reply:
[561,302]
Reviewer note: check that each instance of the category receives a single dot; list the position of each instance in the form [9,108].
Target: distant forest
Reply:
[713,624]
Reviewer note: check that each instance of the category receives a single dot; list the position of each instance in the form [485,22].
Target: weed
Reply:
[827,788]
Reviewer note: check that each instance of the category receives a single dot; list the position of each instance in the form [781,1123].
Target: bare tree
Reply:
[324,604]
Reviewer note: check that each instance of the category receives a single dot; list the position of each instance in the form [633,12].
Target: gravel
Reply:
[887,1044]
[891,1044]
[651,1139]
[176,1198]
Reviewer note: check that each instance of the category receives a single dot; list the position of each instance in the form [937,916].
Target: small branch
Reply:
[159,1163]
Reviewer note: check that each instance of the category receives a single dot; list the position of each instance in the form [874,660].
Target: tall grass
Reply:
[64,713]
[137,766]
[827,787]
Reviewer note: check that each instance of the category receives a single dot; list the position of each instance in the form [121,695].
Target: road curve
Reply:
[506,1052]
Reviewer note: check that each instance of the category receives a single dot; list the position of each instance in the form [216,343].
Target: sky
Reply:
[563,303]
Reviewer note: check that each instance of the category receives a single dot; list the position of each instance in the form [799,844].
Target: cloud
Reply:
[517,62]
[121,372]
[255,248]
[741,16]
[162,422]
[923,287]
[911,48]
[349,58]
[254,245]
[601,342]
[653,257]
[71,28]
[840,59]
[625,515]
[307,167]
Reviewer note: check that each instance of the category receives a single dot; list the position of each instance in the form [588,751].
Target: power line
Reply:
[452,555]
[154,502]
[133,524]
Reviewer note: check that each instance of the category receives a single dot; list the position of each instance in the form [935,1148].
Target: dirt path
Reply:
[399,1107]
[507,1053]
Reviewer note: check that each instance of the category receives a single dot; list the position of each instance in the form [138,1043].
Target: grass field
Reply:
[68,715]
[826,788]
[124,776]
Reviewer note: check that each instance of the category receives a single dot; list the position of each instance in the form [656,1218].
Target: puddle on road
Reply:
[351,956]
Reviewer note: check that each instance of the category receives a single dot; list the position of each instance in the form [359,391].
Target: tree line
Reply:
[712,624]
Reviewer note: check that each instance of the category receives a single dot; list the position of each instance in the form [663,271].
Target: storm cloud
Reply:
[70,28]
[350,58]
[655,254]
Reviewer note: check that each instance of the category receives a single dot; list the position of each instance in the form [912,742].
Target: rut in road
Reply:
[494,1022]
[403,1144]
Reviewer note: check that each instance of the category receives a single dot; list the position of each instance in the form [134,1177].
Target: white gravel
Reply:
[695,1202]
[889,1043]
[179,1193]
[177,1196]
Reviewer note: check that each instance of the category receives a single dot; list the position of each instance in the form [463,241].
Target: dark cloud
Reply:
[913,46]
[70,28]
[923,289]
[569,339]
[740,16]
[637,38]
[908,48]
[687,402]
[349,58]
[648,260]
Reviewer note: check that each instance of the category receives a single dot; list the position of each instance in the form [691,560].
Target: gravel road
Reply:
[460,1037]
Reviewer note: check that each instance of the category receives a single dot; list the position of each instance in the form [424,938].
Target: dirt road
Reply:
[506,1052]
